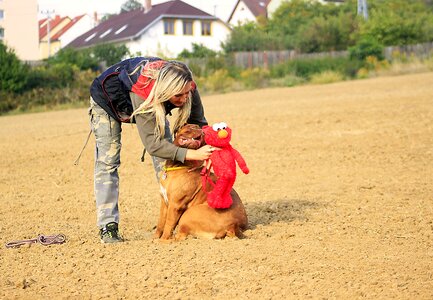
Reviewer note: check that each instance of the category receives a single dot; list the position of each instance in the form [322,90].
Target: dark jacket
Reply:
[112,92]
[111,89]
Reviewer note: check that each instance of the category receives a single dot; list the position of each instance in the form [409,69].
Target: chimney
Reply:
[147,6]
[95,18]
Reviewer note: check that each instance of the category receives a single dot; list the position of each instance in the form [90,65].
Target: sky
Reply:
[73,8]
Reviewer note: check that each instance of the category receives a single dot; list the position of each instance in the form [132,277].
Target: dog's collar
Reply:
[174,168]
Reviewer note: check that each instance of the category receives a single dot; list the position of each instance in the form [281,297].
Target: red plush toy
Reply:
[223,163]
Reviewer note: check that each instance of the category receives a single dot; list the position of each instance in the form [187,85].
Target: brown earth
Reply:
[339,200]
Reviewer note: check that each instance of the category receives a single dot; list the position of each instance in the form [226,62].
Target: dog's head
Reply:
[189,136]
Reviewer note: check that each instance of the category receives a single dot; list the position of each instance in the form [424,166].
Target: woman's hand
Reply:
[201,153]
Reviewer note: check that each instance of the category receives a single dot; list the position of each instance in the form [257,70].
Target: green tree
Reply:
[83,59]
[130,5]
[13,73]
[365,47]
[291,16]
[251,37]
[399,22]
[332,33]
[110,53]
[198,51]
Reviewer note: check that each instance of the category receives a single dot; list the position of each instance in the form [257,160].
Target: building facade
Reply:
[164,29]
[19,27]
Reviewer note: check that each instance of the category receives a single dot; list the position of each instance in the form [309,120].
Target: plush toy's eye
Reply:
[219,126]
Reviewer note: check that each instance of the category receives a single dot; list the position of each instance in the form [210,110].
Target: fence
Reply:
[420,50]
[264,59]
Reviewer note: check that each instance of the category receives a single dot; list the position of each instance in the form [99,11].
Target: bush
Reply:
[306,67]
[52,76]
[367,46]
[254,78]
[286,81]
[399,22]
[13,73]
[110,54]
[327,77]
[83,59]
[332,33]
[202,67]
[219,81]
[198,51]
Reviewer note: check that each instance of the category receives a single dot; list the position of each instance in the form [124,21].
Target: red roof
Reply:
[132,24]
[66,27]
[43,31]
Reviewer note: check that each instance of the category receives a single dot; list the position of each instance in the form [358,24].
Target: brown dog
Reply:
[184,203]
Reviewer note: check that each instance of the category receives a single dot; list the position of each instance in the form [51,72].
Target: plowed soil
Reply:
[339,200]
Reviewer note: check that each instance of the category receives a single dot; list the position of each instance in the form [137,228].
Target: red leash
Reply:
[41,239]
[205,175]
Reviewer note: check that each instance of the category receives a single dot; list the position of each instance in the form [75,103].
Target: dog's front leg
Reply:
[162,219]
[173,216]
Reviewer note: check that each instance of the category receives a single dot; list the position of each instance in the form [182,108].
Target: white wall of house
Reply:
[82,26]
[155,43]
[241,15]
[273,5]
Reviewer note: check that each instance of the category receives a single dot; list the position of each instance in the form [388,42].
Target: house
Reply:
[163,29]
[56,33]
[248,11]
[19,27]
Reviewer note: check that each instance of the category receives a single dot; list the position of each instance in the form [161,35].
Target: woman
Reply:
[144,91]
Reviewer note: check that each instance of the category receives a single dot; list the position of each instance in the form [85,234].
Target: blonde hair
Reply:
[170,80]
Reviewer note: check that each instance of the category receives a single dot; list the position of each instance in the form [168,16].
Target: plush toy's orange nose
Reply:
[222,134]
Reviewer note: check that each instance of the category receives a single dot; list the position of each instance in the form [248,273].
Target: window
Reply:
[2,14]
[121,29]
[187,27]
[105,33]
[2,33]
[205,28]
[90,37]
[169,26]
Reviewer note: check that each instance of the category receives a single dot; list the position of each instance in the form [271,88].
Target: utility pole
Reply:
[48,14]
[363,9]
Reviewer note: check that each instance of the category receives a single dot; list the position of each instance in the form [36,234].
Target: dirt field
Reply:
[339,200]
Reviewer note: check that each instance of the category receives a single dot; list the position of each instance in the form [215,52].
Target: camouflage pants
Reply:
[107,133]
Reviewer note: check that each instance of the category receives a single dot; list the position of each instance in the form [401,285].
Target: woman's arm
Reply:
[160,147]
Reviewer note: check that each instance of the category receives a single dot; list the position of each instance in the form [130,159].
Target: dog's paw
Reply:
[166,241]
[156,235]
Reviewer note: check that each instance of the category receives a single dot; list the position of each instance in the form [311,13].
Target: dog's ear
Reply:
[176,130]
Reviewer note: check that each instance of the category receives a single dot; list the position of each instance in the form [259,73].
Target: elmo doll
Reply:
[223,162]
